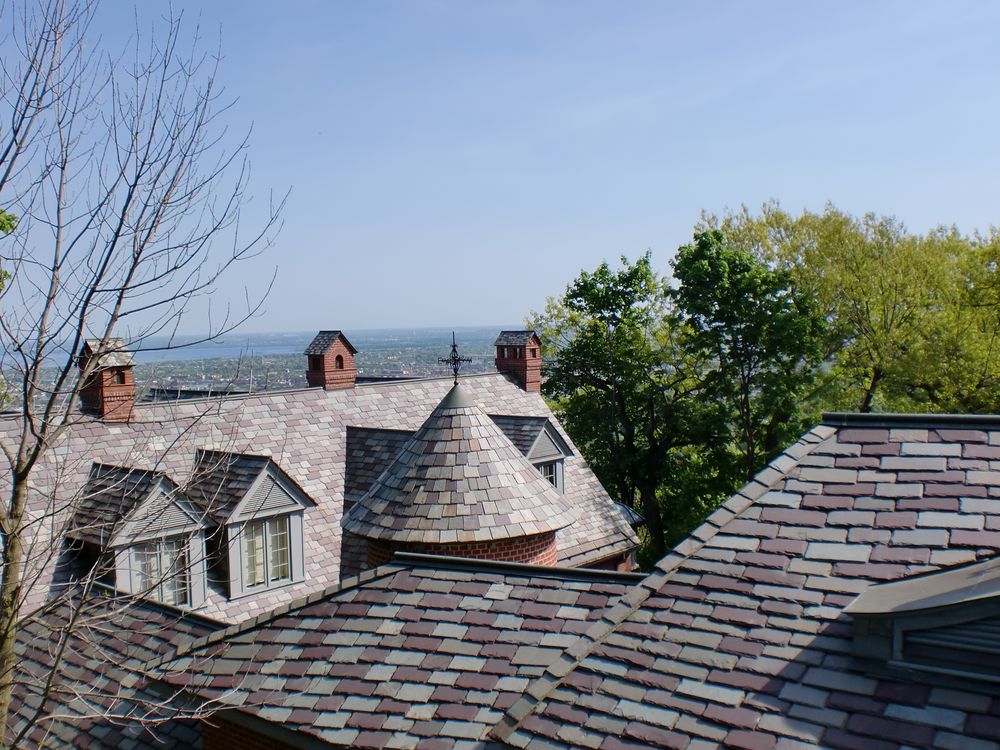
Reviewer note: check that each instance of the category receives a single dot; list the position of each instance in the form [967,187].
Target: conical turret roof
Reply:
[458,479]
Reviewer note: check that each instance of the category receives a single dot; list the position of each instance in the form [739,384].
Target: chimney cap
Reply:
[323,341]
[516,338]
[114,355]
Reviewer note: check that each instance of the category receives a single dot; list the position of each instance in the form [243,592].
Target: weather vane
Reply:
[454,360]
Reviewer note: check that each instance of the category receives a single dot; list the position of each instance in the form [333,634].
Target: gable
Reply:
[548,445]
[270,495]
[162,513]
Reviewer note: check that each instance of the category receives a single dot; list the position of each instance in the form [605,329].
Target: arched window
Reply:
[339,362]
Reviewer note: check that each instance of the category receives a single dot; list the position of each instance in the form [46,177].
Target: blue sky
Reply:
[454,163]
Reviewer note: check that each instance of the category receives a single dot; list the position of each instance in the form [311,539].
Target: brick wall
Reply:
[524,363]
[110,394]
[539,549]
[219,734]
[322,369]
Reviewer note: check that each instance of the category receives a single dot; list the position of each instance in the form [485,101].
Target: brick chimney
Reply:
[331,361]
[520,354]
[109,389]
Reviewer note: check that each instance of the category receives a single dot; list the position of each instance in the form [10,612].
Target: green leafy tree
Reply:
[764,337]
[913,320]
[628,394]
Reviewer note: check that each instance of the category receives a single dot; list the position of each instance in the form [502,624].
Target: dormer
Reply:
[150,534]
[541,444]
[946,622]
[519,353]
[257,513]
[330,362]
[108,390]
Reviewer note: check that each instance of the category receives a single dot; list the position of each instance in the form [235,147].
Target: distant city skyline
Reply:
[456,163]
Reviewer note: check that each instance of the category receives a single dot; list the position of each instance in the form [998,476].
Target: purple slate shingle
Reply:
[100,689]
[422,647]
[458,479]
[304,432]
[745,624]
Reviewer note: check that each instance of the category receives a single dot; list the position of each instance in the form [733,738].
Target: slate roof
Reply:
[739,637]
[523,432]
[514,338]
[108,495]
[103,657]
[369,453]
[221,479]
[116,355]
[424,652]
[324,339]
[458,479]
[304,432]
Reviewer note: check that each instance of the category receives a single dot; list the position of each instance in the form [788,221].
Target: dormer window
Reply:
[162,571]
[550,471]
[541,444]
[259,511]
[267,552]
[153,534]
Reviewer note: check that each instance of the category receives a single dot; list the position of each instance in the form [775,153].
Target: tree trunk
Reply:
[654,520]
[869,397]
[10,590]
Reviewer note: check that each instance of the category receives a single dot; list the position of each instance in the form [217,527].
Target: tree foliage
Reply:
[763,336]
[674,395]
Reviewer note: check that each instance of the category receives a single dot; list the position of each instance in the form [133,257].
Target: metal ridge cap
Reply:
[450,562]
[891,419]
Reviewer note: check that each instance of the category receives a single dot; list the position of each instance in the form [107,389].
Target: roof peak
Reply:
[458,479]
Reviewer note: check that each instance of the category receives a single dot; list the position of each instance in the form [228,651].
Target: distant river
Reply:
[471,339]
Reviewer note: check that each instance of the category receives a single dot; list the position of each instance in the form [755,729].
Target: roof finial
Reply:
[454,360]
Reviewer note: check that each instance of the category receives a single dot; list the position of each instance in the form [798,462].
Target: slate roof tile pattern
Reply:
[514,338]
[738,638]
[369,453]
[458,479]
[324,339]
[103,655]
[304,432]
[424,652]
[221,479]
[115,355]
[107,496]
[523,432]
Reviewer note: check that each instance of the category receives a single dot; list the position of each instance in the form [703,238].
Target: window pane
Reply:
[253,553]
[147,559]
[277,531]
[548,471]
[174,563]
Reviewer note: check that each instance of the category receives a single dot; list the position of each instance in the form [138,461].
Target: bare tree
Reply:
[128,193]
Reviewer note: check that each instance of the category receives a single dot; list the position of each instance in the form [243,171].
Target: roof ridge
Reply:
[632,600]
[890,419]
[450,562]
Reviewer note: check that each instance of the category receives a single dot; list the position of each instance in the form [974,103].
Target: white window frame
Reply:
[239,573]
[556,465]
[267,529]
[160,581]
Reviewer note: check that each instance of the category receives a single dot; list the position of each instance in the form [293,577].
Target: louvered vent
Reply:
[269,496]
[159,515]
[972,646]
